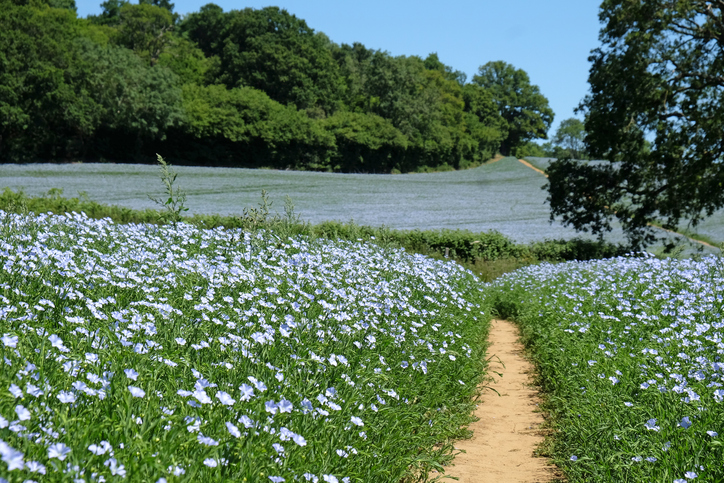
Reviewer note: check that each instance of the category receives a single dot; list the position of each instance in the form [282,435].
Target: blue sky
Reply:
[550,39]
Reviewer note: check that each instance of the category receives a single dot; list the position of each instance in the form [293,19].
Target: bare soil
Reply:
[533,167]
[505,438]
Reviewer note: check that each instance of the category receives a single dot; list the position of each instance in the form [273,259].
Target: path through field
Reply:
[501,449]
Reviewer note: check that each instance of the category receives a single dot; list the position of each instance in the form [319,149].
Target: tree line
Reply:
[250,87]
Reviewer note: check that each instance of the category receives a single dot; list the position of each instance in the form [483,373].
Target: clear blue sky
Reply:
[549,39]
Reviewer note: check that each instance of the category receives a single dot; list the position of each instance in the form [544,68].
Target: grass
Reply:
[173,353]
[629,352]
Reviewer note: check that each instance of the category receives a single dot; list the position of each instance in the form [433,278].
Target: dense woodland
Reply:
[250,88]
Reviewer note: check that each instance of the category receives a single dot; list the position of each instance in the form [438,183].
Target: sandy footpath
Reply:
[505,437]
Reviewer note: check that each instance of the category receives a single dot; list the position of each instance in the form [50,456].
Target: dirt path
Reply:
[533,167]
[501,449]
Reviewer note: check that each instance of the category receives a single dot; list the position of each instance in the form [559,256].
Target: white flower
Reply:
[103,448]
[136,391]
[58,450]
[35,467]
[211,463]
[15,390]
[11,456]
[247,392]
[205,440]
[10,340]
[66,397]
[201,396]
[233,430]
[23,414]
[271,407]
[225,398]
[357,421]
[285,406]
[651,425]
[116,468]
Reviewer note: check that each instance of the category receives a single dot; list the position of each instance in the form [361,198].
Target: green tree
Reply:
[354,68]
[137,102]
[165,4]
[44,112]
[486,124]
[529,149]
[570,137]
[245,127]
[110,13]
[655,115]
[432,62]
[524,109]
[364,142]
[444,122]
[269,50]
[186,60]
[145,29]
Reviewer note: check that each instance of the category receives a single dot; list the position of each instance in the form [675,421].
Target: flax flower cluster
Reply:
[632,351]
[147,353]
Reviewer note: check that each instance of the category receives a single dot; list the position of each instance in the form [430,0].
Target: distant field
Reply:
[504,196]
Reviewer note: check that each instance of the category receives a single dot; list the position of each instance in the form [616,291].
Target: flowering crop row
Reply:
[631,356]
[164,354]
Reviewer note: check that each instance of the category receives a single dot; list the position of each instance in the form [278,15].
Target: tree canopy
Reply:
[524,109]
[569,139]
[655,116]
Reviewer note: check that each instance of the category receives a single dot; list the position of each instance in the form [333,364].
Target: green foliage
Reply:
[110,12]
[364,142]
[432,62]
[529,149]
[62,94]
[173,206]
[425,102]
[243,126]
[186,60]
[145,29]
[524,109]
[655,116]
[270,50]
[553,151]
[41,110]
[570,137]
[137,103]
